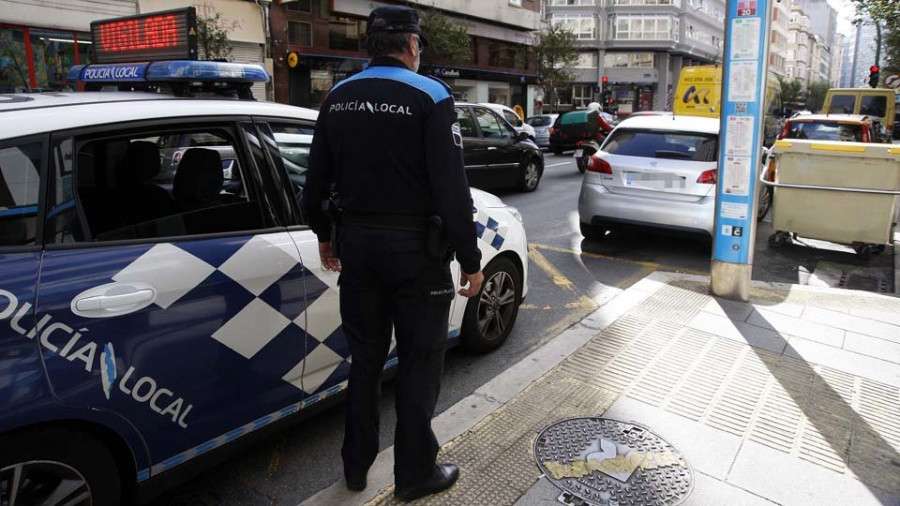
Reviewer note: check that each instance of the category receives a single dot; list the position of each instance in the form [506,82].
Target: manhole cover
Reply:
[598,461]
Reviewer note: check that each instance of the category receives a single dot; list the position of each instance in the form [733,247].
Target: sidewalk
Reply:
[793,399]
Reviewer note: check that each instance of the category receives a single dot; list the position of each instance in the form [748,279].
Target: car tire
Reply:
[481,332]
[557,151]
[765,203]
[43,461]
[592,232]
[583,162]
[531,175]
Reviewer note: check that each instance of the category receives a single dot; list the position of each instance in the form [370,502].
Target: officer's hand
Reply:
[473,280]
[329,262]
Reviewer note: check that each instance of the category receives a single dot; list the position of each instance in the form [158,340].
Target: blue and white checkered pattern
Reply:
[489,230]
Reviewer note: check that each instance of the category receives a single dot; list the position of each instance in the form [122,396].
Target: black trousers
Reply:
[388,281]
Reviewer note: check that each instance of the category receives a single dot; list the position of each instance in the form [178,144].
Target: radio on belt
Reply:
[158,51]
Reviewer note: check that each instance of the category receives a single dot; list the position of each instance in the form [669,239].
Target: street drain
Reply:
[603,462]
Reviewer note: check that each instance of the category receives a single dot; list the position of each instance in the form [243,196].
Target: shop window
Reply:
[346,34]
[300,34]
[13,61]
[53,54]
[20,166]
[300,6]
[84,49]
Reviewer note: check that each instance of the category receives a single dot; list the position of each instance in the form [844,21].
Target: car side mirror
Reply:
[521,136]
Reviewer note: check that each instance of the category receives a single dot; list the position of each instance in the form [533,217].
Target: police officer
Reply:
[388,146]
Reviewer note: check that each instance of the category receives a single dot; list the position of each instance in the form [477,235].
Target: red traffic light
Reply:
[873,69]
[604,79]
[611,101]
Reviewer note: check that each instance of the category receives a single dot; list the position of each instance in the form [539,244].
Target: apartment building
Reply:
[639,45]
[779,41]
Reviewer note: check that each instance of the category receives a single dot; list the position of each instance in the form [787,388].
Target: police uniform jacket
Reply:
[388,141]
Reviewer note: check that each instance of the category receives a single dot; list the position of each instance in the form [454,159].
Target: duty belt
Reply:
[408,222]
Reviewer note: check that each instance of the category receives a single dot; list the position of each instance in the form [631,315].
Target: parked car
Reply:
[513,118]
[833,127]
[144,332]
[574,126]
[542,123]
[655,172]
[877,103]
[495,154]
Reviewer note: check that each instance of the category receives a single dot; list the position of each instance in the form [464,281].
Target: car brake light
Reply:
[580,143]
[865,134]
[709,177]
[552,130]
[599,165]
[785,130]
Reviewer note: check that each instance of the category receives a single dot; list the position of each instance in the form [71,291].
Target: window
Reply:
[644,27]
[656,144]
[539,121]
[491,126]
[466,123]
[587,60]
[704,37]
[346,33]
[513,118]
[676,3]
[20,166]
[582,95]
[561,3]
[629,60]
[151,185]
[53,54]
[873,106]
[294,142]
[300,34]
[300,6]
[13,61]
[824,131]
[584,25]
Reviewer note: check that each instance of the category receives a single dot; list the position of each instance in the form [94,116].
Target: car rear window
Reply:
[699,147]
[824,131]
[539,121]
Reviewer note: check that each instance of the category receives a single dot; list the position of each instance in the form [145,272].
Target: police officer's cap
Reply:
[395,19]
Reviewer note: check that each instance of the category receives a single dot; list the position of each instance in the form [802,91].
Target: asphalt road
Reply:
[569,278]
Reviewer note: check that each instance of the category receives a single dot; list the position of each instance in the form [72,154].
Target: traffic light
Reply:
[873,76]
[606,96]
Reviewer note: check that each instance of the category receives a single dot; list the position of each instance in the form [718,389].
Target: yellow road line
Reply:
[545,265]
[646,265]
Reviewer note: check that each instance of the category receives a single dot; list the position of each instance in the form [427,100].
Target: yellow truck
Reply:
[699,93]
[877,103]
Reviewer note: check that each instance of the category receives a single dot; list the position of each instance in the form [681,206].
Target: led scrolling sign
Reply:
[167,35]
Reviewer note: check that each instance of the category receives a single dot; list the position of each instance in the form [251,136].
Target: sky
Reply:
[846,12]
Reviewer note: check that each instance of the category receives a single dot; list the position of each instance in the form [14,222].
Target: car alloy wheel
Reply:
[531,176]
[43,482]
[496,306]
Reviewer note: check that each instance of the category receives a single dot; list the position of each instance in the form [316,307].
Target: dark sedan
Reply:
[496,156]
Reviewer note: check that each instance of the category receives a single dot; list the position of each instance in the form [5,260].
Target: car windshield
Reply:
[824,131]
[701,147]
[539,121]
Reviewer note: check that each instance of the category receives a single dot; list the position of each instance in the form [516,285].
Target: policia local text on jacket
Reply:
[388,141]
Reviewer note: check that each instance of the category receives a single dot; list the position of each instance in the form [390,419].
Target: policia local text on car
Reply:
[404,184]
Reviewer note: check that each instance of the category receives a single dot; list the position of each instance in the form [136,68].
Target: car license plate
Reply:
[578,153]
[655,181]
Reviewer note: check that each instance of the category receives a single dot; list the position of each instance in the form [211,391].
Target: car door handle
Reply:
[113,301]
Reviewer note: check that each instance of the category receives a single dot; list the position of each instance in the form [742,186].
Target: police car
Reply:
[151,312]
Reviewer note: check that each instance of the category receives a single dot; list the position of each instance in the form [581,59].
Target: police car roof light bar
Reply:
[169,72]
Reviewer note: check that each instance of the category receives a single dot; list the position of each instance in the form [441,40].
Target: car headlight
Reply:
[515,213]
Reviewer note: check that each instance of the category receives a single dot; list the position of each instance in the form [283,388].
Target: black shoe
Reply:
[356,481]
[445,475]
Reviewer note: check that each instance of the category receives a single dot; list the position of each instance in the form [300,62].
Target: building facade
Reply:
[328,38]
[41,40]
[640,46]
[779,38]
[798,56]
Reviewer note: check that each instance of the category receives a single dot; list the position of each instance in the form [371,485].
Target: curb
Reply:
[897,263]
[466,413]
